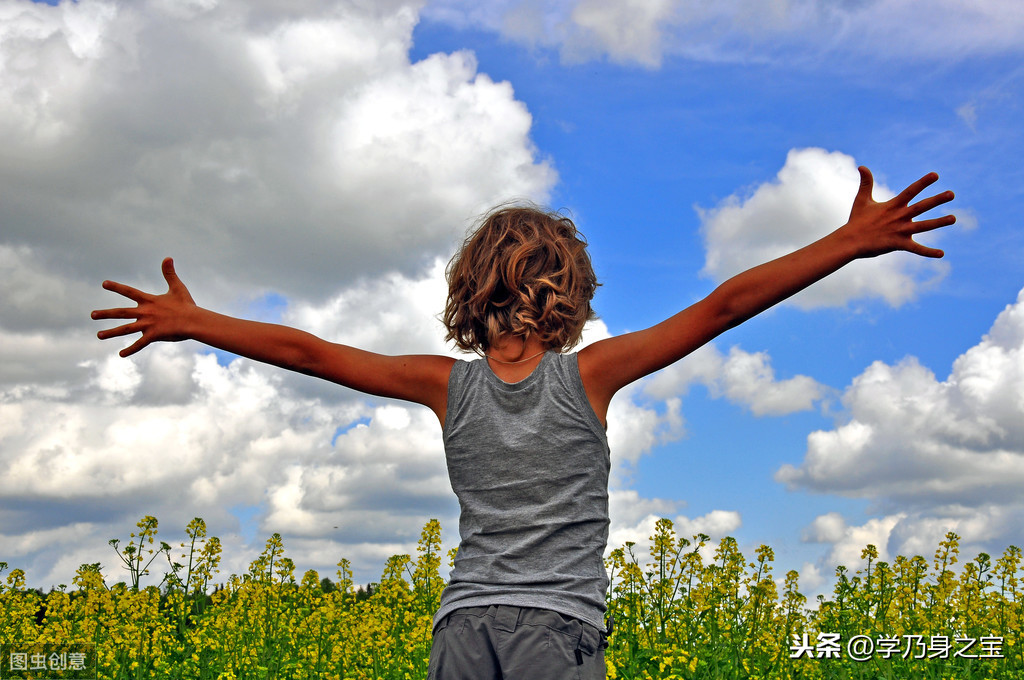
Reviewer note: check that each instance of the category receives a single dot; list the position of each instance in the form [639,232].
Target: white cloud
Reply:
[634,519]
[741,377]
[850,541]
[627,31]
[628,509]
[968,113]
[912,439]
[290,150]
[634,429]
[380,482]
[92,450]
[393,314]
[982,529]
[811,196]
[645,33]
[932,456]
[810,580]
[716,524]
[49,55]
[239,438]
[827,528]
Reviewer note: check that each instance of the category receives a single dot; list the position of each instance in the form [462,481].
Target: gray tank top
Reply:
[529,462]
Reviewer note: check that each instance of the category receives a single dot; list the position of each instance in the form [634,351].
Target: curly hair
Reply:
[525,272]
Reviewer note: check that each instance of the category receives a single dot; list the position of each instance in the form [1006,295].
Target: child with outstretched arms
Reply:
[524,426]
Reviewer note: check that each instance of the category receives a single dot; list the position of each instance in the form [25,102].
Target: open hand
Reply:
[157,317]
[888,226]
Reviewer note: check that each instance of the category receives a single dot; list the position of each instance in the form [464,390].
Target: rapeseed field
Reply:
[676,615]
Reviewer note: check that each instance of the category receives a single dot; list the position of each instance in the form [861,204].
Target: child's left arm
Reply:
[873,229]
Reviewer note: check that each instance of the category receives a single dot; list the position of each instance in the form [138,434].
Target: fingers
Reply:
[917,187]
[867,184]
[120,313]
[174,284]
[126,329]
[928,225]
[924,251]
[936,223]
[167,267]
[926,204]
[131,293]
[134,347]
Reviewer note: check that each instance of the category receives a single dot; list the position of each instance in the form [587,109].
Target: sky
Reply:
[316,163]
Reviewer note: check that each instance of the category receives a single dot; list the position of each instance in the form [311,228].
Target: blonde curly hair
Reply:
[523,271]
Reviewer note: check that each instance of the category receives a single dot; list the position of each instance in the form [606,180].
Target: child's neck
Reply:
[512,359]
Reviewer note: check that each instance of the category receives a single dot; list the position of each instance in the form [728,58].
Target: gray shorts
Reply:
[515,643]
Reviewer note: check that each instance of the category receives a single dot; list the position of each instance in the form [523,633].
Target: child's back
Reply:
[529,462]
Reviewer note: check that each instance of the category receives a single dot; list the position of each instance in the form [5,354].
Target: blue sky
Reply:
[317,165]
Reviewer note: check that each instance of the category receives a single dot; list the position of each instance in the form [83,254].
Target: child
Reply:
[524,428]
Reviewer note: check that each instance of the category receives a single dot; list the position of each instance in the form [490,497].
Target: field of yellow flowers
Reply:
[675,616]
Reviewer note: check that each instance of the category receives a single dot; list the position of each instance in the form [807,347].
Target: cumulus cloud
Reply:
[393,314]
[741,377]
[645,33]
[848,542]
[980,529]
[827,528]
[634,519]
[291,151]
[33,295]
[91,450]
[634,429]
[810,196]
[349,476]
[381,480]
[932,456]
[175,434]
[913,439]
[811,578]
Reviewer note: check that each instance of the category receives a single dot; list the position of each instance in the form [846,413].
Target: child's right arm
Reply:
[873,229]
[174,316]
